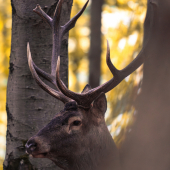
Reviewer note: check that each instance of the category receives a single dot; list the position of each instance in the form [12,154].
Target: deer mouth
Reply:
[37,155]
[40,155]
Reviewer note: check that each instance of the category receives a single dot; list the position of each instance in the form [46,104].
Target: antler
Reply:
[45,87]
[58,32]
[85,99]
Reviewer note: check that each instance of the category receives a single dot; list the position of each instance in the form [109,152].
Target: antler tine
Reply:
[43,15]
[112,68]
[63,88]
[57,14]
[45,87]
[69,25]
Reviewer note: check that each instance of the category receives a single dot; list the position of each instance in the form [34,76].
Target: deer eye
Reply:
[76,123]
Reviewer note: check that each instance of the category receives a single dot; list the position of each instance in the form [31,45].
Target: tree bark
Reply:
[95,43]
[29,108]
[147,146]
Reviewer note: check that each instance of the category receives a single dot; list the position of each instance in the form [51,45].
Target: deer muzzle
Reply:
[30,146]
[37,147]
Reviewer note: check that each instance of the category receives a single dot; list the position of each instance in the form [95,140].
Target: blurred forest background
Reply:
[122,24]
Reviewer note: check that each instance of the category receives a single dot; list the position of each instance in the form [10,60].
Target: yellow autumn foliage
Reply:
[5,42]
[122,25]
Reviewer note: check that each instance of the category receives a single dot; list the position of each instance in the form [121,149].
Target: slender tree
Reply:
[147,146]
[28,107]
[95,42]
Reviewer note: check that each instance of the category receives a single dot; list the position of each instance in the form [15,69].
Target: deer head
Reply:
[77,137]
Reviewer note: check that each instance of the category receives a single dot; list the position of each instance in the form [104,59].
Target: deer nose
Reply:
[30,146]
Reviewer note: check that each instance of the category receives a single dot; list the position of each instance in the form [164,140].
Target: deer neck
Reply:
[101,154]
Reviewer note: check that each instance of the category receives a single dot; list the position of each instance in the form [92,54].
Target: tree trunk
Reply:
[95,43]
[29,108]
[147,146]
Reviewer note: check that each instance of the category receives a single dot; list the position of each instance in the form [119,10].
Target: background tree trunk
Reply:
[29,108]
[147,146]
[95,43]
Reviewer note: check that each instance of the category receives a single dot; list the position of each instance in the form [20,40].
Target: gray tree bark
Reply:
[95,43]
[147,146]
[29,108]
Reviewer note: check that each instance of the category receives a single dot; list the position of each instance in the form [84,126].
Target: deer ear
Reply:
[100,105]
[86,88]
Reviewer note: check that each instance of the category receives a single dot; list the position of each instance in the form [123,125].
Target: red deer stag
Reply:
[77,138]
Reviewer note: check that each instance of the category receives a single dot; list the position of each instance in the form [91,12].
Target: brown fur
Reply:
[86,146]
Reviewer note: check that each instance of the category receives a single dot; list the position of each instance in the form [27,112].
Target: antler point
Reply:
[37,7]
[58,65]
